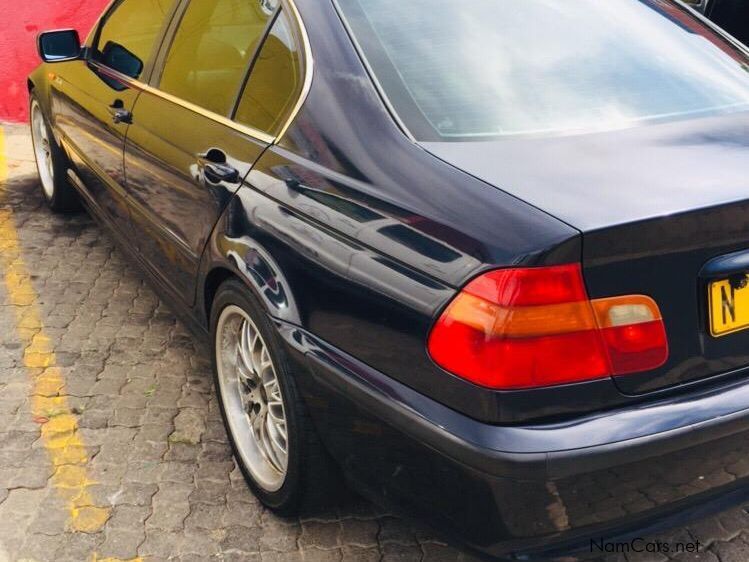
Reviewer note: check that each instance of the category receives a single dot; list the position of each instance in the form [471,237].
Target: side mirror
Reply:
[118,58]
[58,46]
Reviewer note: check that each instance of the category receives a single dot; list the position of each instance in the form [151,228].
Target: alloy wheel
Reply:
[252,398]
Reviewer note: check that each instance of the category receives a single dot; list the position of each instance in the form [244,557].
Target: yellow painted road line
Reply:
[49,404]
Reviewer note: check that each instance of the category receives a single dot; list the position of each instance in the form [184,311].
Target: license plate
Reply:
[729,308]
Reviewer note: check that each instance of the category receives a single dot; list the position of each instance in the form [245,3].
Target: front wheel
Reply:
[271,434]
[51,163]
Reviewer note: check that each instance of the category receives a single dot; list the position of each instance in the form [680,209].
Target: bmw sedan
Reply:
[486,260]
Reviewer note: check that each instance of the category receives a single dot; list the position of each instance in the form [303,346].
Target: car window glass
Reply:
[275,81]
[490,68]
[212,49]
[129,33]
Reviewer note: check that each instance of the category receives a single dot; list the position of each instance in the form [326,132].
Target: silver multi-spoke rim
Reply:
[252,398]
[42,150]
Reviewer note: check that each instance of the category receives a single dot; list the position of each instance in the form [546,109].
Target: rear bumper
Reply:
[534,489]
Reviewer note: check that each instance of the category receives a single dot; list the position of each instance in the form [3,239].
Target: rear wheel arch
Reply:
[246,259]
[215,278]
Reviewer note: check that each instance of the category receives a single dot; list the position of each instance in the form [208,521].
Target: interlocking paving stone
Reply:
[139,387]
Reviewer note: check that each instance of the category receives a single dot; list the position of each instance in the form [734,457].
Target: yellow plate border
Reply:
[710,312]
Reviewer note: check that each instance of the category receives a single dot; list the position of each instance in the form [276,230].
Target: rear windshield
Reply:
[466,70]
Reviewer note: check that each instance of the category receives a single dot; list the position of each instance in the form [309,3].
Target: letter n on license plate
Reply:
[729,308]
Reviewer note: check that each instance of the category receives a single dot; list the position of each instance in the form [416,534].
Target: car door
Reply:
[96,95]
[184,156]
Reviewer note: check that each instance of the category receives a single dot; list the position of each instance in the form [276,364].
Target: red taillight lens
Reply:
[524,328]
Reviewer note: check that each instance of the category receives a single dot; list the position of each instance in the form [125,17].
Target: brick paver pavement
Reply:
[111,445]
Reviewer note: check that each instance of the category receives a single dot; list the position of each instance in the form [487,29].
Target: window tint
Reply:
[490,68]
[212,49]
[129,33]
[275,82]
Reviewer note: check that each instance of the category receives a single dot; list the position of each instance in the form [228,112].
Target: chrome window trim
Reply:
[712,25]
[309,64]
[372,76]
[699,5]
[143,87]
[256,134]
[245,129]
[95,28]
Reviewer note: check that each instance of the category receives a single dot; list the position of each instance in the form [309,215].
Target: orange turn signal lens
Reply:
[522,322]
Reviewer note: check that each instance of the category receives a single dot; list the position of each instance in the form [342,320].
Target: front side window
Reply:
[212,49]
[275,82]
[456,71]
[128,34]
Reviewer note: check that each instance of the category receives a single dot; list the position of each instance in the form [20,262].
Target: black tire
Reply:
[62,198]
[311,483]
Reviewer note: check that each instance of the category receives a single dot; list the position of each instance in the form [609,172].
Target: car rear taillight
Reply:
[534,327]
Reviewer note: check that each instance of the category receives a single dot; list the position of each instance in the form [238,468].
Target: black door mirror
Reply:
[118,58]
[58,46]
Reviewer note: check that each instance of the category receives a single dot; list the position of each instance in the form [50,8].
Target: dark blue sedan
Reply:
[484,261]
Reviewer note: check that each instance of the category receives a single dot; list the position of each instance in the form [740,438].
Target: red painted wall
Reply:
[20,21]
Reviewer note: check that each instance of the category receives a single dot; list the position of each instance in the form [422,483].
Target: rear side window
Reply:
[212,49]
[128,34]
[276,80]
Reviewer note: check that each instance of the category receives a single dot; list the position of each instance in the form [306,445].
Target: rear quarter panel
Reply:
[373,235]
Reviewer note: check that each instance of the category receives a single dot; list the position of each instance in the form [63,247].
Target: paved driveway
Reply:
[111,444]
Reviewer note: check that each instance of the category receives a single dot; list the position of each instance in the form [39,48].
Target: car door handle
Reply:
[218,172]
[122,116]
[119,113]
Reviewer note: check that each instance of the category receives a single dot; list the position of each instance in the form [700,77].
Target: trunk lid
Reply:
[655,205]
